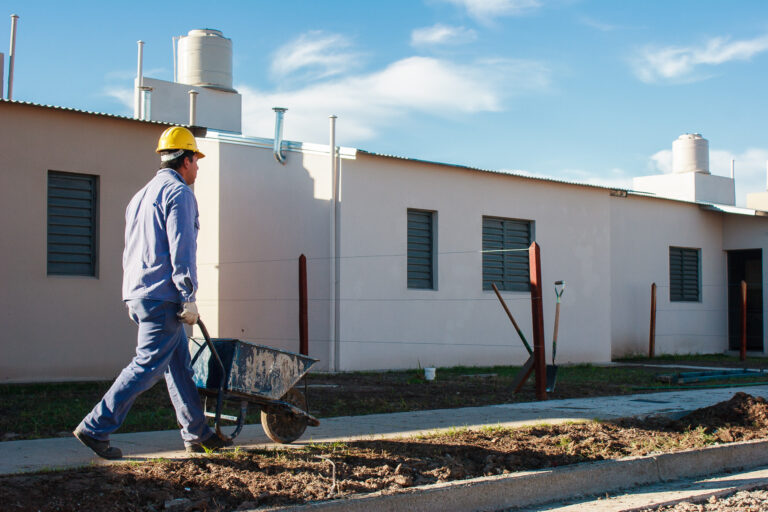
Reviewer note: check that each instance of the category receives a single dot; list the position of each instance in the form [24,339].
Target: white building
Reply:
[401,252]
[608,245]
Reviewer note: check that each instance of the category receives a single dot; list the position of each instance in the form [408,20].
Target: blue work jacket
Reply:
[161,225]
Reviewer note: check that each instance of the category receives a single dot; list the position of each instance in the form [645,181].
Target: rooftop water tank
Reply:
[690,153]
[205,59]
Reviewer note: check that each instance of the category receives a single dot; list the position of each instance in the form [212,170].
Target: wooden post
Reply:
[537,316]
[303,321]
[743,354]
[652,334]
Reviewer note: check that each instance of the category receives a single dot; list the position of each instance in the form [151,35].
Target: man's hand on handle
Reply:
[188,313]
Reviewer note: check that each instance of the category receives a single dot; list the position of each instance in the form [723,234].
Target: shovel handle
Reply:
[559,289]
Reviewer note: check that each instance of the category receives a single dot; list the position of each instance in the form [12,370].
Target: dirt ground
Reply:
[247,479]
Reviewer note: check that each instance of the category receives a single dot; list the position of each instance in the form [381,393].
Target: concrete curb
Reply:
[537,487]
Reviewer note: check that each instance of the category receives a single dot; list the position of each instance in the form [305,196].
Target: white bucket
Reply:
[429,374]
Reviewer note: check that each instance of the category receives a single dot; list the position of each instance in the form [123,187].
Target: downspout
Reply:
[334,250]
[12,55]
[278,143]
[139,83]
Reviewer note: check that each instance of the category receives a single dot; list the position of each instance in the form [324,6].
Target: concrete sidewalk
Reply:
[25,456]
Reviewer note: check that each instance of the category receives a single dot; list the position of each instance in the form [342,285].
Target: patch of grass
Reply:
[47,410]
[684,358]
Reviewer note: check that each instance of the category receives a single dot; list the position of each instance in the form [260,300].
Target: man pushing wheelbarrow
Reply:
[159,286]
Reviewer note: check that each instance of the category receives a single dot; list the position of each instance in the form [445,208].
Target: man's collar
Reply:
[174,174]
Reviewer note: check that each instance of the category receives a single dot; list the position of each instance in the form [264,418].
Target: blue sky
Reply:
[592,91]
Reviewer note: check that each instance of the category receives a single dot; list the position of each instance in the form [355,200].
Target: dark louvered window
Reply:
[684,283]
[505,253]
[72,223]
[421,253]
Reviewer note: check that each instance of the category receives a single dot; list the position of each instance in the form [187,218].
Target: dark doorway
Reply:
[745,266]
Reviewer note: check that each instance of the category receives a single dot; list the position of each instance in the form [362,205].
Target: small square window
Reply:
[505,253]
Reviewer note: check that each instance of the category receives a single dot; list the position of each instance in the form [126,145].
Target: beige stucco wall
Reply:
[642,230]
[386,325]
[257,217]
[65,328]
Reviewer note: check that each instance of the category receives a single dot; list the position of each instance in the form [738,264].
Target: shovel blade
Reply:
[551,377]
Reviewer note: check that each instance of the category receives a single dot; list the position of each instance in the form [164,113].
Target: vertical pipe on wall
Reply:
[743,352]
[193,107]
[303,318]
[146,103]
[652,333]
[12,54]
[334,304]
[537,316]
[139,82]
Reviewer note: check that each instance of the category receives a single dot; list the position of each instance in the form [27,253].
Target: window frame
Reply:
[524,283]
[54,239]
[432,249]
[679,295]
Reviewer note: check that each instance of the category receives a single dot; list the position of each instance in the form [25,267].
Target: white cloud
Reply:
[485,10]
[599,25]
[750,172]
[316,54]
[687,64]
[123,95]
[661,161]
[366,103]
[442,34]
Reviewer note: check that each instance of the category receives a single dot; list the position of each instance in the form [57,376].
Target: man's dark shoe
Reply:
[101,448]
[212,444]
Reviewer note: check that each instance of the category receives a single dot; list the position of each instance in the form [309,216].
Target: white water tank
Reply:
[690,153]
[205,59]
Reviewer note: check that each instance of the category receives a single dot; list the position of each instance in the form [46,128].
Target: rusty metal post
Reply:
[537,316]
[652,334]
[743,354]
[303,321]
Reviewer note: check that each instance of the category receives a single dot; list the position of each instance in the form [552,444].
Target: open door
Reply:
[746,265]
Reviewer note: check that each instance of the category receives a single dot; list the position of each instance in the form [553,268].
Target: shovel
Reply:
[552,368]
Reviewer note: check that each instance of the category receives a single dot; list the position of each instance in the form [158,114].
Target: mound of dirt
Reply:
[249,479]
[742,410]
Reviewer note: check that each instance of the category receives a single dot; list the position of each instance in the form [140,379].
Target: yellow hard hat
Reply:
[178,137]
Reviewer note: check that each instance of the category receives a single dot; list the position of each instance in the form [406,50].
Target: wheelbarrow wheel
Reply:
[283,427]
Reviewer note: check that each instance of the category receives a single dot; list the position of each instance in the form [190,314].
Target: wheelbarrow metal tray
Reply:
[251,370]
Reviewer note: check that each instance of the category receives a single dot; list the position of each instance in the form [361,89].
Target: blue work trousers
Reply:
[162,349]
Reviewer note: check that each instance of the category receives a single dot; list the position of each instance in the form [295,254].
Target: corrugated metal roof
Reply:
[503,173]
[620,192]
[70,109]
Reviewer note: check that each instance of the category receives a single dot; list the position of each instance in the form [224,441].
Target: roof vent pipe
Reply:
[12,55]
[278,145]
[139,83]
[193,107]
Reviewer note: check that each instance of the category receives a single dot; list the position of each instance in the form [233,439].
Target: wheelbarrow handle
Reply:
[220,394]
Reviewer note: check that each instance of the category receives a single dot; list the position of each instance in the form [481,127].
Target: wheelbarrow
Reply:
[240,371]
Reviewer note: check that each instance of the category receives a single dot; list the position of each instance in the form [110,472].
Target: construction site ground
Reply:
[376,456]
